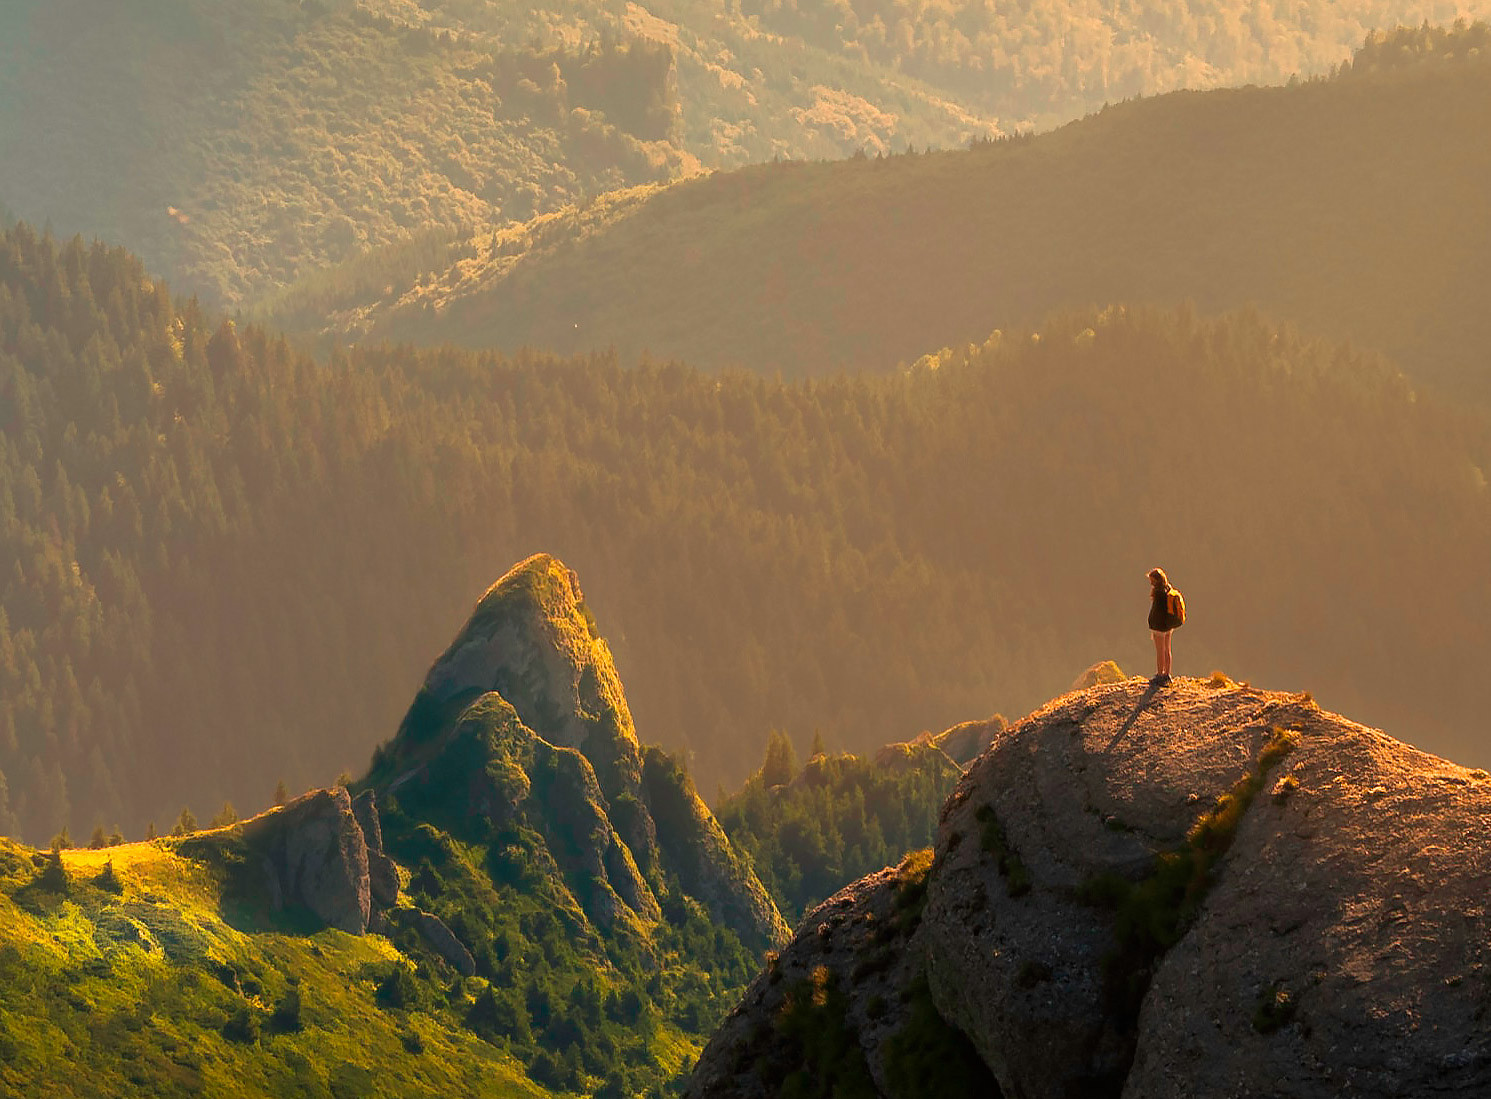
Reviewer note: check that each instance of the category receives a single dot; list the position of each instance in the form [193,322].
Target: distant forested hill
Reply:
[223,563]
[1355,207]
[236,147]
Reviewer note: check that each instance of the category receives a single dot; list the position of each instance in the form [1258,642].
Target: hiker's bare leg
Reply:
[1167,651]
[1160,641]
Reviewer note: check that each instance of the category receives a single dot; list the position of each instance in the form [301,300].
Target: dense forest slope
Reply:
[542,905]
[1354,207]
[1202,890]
[223,563]
[237,146]
[840,816]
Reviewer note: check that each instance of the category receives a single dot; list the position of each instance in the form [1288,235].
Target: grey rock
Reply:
[440,937]
[365,809]
[1338,945]
[532,681]
[313,854]
[383,879]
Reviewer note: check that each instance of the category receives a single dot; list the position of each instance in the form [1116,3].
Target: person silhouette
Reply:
[1161,624]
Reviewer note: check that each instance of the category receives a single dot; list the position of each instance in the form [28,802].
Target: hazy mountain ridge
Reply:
[1196,890]
[1293,199]
[239,149]
[259,144]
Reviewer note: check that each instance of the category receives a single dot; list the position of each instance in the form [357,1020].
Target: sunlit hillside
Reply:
[223,563]
[1355,207]
[238,146]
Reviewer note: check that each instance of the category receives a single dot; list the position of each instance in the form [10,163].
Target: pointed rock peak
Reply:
[532,639]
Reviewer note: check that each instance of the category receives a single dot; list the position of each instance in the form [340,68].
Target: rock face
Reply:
[522,723]
[966,741]
[383,875]
[312,853]
[441,937]
[1197,890]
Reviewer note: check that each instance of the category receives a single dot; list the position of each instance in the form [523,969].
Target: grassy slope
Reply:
[149,1019]
[1355,207]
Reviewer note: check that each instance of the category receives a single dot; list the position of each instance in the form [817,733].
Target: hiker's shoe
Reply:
[1157,680]
[1164,679]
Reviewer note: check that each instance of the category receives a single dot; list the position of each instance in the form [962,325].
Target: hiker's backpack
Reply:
[1175,606]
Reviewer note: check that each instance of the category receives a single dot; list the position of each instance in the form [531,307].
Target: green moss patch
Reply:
[994,842]
[929,1056]
[1152,914]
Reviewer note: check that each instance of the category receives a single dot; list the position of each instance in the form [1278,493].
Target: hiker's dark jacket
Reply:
[1159,611]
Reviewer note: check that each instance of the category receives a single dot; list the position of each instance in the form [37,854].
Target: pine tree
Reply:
[186,824]
[780,764]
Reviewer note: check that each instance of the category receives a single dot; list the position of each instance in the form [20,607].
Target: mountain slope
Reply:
[239,147]
[223,563]
[1201,890]
[528,688]
[541,906]
[1295,199]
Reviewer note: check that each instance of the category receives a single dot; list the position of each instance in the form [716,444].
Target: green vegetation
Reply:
[992,839]
[1275,1009]
[1151,915]
[223,564]
[146,989]
[822,1058]
[843,817]
[928,1056]
[1290,198]
[189,963]
[238,148]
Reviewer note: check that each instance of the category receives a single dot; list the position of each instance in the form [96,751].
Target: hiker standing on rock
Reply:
[1167,610]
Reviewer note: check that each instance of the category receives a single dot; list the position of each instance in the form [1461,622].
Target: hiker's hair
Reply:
[1158,580]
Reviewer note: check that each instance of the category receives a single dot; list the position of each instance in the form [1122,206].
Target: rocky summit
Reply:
[522,722]
[1202,889]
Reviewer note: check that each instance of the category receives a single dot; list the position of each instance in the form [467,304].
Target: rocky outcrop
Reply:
[383,875]
[708,867]
[850,978]
[1198,890]
[966,741]
[311,853]
[523,722]
[532,640]
[439,936]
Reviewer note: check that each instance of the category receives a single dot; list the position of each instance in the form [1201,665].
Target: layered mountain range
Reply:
[1292,199]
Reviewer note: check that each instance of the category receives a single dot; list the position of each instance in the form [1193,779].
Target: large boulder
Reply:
[440,937]
[1197,890]
[312,853]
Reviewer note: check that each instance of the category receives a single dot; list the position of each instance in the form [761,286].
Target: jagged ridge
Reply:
[524,715]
